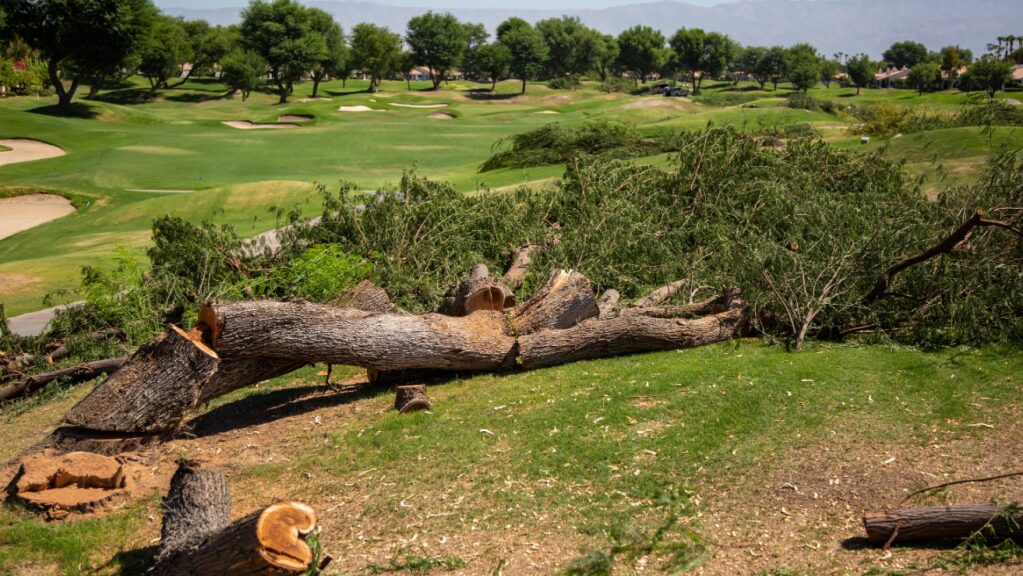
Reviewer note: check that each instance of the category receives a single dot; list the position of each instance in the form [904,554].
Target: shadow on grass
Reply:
[127,97]
[196,97]
[346,92]
[274,405]
[73,110]
[134,562]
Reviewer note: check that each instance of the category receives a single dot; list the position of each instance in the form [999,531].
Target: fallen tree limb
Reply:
[197,536]
[662,294]
[565,300]
[945,246]
[937,523]
[74,374]
[516,273]
[62,350]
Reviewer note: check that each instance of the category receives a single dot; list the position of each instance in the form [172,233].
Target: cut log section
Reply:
[564,301]
[942,523]
[411,398]
[198,537]
[77,482]
[478,292]
[151,392]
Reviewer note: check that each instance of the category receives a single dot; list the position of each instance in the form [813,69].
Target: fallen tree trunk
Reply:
[152,391]
[198,537]
[74,374]
[937,523]
[257,340]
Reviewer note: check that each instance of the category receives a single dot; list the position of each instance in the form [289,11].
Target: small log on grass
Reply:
[74,374]
[940,523]
[198,537]
[411,398]
[152,390]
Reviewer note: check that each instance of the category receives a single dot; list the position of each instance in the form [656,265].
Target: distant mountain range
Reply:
[832,26]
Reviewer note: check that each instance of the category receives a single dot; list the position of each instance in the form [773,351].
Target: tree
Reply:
[829,70]
[209,46]
[773,65]
[244,71]
[861,70]
[494,60]
[406,64]
[80,34]
[335,58]
[376,50]
[640,50]
[905,54]
[438,42]
[925,76]
[476,36]
[605,55]
[988,74]
[280,31]
[952,59]
[165,49]
[703,54]
[803,66]
[572,48]
[526,47]
[748,62]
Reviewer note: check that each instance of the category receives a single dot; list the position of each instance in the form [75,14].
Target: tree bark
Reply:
[937,523]
[564,301]
[198,537]
[153,389]
[662,294]
[364,296]
[80,373]
[516,273]
[478,292]
[608,303]
[411,398]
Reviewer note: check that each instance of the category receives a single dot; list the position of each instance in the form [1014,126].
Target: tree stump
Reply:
[411,398]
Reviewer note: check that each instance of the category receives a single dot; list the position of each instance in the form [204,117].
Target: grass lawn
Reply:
[526,469]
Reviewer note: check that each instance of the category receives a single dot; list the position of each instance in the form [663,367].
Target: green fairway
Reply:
[133,157]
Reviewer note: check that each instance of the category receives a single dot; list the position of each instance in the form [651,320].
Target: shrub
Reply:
[614,84]
[556,143]
[802,101]
[564,83]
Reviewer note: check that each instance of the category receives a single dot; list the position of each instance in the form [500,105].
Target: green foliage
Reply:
[640,51]
[861,70]
[672,548]
[317,274]
[412,563]
[703,54]
[281,32]
[616,84]
[526,47]
[986,75]
[925,76]
[985,547]
[164,50]
[555,143]
[243,71]
[376,49]
[905,54]
[437,41]
[492,61]
[335,60]
[802,101]
[886,119]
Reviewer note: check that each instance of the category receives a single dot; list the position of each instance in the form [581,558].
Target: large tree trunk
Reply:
[937,523]
[64,94]
[198,537]
[245,342]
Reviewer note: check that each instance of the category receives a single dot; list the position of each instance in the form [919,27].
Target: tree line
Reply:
[99,42]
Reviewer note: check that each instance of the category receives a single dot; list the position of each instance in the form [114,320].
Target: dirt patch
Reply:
[294,118]
[22,150]
[672,103]
[803,511]
[20,213]
[246,125]
[442,116]
[11,282]
[77,482]
[417,105]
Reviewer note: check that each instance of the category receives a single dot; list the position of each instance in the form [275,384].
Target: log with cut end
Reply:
[479,291]
[941,523]
[411,398]
[152,391]
[198,537]
[566,299]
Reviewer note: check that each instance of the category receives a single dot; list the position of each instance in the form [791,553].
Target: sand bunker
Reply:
[22,150]
[677,103]
[548,112]
[359,108]
[75,482]
[321,99]
[294,118]
[246,125]
[417,105]
[442,116]
[28,211]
